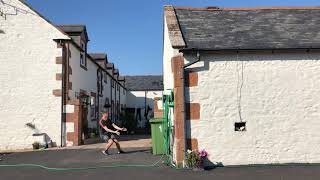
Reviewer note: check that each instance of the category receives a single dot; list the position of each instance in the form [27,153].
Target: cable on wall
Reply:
[239,85]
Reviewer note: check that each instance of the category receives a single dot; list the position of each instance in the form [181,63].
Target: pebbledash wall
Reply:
[277,96]
[276,93]
[28,77]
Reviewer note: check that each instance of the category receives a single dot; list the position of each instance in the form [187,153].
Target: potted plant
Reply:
[195,159]
[36,145]
[203,157]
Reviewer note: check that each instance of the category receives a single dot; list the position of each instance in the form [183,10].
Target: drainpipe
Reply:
[98,101]
[115,101]
[119,107]
[191,63]
[63,92]
[111,82]
[184,108]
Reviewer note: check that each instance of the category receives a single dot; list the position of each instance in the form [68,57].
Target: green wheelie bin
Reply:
[157,133]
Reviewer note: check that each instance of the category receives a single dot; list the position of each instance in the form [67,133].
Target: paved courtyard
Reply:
[90,155]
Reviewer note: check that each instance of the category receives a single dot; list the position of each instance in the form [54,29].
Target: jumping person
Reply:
[111,129]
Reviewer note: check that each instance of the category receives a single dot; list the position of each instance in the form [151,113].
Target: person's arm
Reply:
[118,128]
[105,116]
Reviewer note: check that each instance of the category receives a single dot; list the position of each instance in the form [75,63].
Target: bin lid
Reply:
[155,120]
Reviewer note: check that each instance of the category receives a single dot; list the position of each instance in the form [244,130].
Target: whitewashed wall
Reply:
[280,102]
[168,53]
[83,79]
[106,93]
[138,99]
[27,77]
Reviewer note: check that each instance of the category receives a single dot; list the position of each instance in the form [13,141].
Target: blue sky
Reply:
[130,31]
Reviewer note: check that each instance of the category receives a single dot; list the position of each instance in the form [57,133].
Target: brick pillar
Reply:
[73,122]
[179,114]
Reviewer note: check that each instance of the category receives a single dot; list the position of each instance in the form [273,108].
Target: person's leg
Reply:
[118,146]
[108,145]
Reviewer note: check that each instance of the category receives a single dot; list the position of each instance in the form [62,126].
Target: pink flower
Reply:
[203,153]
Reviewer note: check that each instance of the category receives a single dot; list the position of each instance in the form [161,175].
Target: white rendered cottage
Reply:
[50,85]
[246,83]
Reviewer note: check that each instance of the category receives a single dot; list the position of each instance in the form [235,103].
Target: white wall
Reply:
[27,77]
[168,53]
[106,93]
[280,102]
[83,79]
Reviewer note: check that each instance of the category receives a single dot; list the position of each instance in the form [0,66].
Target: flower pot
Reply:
[36,146]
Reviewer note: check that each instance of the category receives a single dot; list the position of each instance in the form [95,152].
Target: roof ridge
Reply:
[214,8]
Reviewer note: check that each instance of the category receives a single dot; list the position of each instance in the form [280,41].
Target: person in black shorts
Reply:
[111,130]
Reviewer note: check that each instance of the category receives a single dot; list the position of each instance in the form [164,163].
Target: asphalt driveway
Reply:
[93,157]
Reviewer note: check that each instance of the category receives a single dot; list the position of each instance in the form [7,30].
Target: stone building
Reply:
[52,89]
[246,83]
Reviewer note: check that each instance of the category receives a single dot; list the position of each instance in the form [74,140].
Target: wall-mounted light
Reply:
[85,99]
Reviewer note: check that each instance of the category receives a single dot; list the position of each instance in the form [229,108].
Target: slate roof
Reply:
[144,83]
[71,29]
[98,56]
[76,28]
[223,29]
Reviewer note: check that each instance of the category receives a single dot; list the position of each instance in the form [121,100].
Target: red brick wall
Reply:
[179,115]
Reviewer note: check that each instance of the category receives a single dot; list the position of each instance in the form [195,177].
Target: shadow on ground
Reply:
[94,157]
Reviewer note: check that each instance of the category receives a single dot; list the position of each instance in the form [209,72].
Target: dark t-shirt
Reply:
[108,124]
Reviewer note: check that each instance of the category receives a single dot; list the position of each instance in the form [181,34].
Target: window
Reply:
[100,85]
[105,77]
[118,87]
[240,126]
[124,91]
[112,84]
[93,104]
[106,102]
[83,59]
[82,46]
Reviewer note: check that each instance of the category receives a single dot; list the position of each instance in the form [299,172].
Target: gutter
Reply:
[191,63]
[249,50]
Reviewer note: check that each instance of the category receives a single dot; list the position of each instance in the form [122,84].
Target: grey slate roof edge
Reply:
[99,56]
[144,83]
[74,28]
[278,41]
[174,31]
[216,8]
